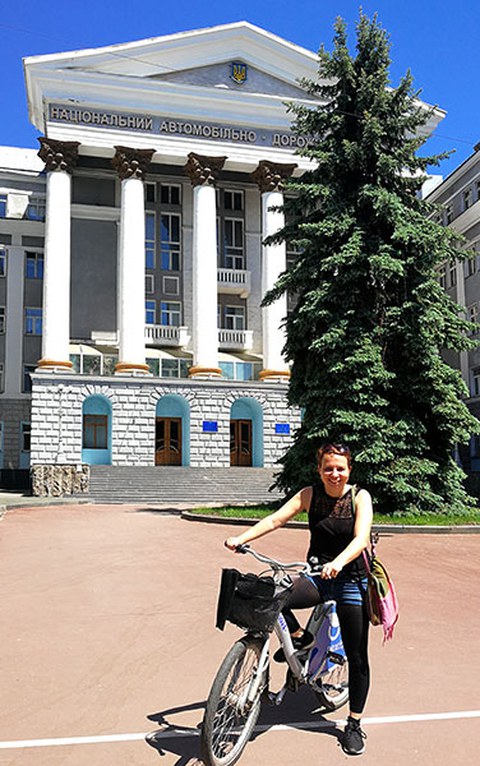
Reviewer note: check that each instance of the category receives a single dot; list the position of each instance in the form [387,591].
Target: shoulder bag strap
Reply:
[372,536]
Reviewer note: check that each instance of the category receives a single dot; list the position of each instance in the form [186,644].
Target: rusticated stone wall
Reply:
[59,480]
[57,402]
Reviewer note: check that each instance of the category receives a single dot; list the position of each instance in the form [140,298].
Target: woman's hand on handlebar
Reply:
[232,543]
[330,570]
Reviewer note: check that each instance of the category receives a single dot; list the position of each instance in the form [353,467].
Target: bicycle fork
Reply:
[295,667]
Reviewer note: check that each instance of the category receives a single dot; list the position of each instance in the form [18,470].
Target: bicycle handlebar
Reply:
[305,566]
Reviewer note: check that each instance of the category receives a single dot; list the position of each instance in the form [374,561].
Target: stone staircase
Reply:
[170,485]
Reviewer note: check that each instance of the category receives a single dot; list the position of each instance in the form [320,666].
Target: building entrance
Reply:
[241,442]
[168,441]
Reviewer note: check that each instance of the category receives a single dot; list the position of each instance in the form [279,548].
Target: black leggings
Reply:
[354,624]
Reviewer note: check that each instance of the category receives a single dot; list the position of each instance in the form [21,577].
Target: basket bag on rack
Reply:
[250,601]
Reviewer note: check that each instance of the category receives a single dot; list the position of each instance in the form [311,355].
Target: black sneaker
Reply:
[305,641]
[352,739]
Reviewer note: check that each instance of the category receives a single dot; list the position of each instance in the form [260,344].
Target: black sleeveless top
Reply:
[331,521]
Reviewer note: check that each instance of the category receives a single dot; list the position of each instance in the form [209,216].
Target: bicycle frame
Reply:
[326,653]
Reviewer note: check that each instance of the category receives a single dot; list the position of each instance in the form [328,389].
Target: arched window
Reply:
[96,431]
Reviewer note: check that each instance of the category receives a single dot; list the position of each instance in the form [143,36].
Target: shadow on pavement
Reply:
[295,711]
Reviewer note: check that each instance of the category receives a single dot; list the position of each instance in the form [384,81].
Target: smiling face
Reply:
[334,472]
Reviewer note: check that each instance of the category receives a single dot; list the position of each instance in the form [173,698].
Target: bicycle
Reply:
[242,680]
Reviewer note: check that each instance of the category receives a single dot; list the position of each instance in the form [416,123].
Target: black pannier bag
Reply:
[250,601]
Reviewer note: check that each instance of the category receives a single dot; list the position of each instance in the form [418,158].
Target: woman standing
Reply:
[339,531]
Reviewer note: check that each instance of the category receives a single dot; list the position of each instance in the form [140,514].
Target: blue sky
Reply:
[437,39]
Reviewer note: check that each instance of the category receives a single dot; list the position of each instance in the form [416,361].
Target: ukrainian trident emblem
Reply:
[238,72]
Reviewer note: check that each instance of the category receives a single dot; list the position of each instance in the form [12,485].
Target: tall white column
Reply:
[270,177]
[203,172]
[131,166]
[60,157]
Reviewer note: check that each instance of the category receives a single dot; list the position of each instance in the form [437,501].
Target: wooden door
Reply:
[241,442]
[168,441]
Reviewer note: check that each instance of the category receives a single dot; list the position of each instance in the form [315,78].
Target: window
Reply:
[234,252]
[27,380]
[92,364]
[240,370]
[442,276]
[234,318]
[3,205]
[170,368]
[150,240]
[2,320]
[171,285]
[109,362]
[170,314]
[76,362]
[233,200]
[150,192]
[2,380]
[150,311]
[452,272]
[149,283]
[154,366]
[472,313]
[448,214]
[33,321]
[467,198]
[34,266]
[169,195]
[228,370]
[476,381]
[36,208]
[175,368]
[25,434]
[170,241]
[95,431]
[244,371]
[470,266]
[3,262]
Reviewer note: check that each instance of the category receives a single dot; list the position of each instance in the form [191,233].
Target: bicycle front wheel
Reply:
[231,712]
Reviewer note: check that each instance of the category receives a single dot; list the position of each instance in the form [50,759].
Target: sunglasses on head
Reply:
[335,448]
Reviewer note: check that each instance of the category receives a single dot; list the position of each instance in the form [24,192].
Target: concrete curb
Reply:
[387,529]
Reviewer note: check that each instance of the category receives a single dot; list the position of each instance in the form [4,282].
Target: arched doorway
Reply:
[246,433]
[172,431]
[97,431]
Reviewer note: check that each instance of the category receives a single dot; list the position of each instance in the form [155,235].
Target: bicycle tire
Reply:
[334,693]
[227,723]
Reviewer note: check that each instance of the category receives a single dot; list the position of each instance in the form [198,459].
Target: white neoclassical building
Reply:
[132,255]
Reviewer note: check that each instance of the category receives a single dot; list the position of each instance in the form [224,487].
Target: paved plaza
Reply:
[108,635]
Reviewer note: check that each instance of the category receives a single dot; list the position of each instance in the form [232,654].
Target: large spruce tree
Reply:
[366,336]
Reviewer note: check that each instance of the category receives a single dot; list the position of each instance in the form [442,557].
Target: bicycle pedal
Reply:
[338,659]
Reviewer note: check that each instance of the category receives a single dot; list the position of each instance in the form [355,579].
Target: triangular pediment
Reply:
[203,51]
[237,76]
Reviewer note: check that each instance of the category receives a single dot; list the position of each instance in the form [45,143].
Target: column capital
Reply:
[203,170]
[270,176]
[132,163]
[58,155]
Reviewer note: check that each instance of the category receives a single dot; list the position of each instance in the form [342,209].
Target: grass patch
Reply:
[256,512]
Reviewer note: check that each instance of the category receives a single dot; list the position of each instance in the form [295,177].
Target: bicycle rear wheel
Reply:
[334,687]
[231,713]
